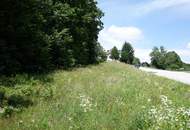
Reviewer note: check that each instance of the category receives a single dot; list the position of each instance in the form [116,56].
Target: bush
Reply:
[173,67]
[162,59]
[8,111]
[18,101]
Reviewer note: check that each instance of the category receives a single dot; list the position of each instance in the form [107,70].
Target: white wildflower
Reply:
[70,118]
[20,122]
[33,121]
[86,103]
[168,115]
[2,110]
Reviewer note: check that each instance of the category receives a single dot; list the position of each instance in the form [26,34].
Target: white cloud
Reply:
[188,45]
[156,5]
[184,54]
[116,36]
[143,54]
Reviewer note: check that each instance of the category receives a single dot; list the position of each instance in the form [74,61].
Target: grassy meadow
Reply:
[109,96]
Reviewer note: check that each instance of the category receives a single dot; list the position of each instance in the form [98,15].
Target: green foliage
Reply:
[110,96]
[114,53]
[22,91]
[162,59]
[18,101]
[101,53]
[186,67]
[136,61]
[127,53]
[173,61]
[40,35]
[158,57]
[8,110]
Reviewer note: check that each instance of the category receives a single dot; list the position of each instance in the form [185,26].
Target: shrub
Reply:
[8,110]
[18,101]
[173,67]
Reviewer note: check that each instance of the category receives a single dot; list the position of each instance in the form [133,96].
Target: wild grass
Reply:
[109,96]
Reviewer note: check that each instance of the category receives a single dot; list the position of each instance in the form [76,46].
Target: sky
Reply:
[145,24]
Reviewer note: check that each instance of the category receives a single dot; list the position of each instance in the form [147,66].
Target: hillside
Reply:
[108,96]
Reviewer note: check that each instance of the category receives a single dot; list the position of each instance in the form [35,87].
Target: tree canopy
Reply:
[162,59]
[158,57]
[173,60]
[37,35]
[136,61]
[114,53]
[127,53]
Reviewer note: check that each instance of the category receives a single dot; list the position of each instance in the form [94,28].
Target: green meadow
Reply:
[108,96]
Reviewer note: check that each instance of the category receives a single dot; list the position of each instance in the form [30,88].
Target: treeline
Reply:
[167,60]
[39,35]
[162,59]
[126,54]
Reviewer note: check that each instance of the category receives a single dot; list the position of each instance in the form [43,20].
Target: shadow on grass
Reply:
[20,79]
[25,78]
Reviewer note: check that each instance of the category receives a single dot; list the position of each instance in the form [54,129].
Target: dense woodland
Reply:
[40,35]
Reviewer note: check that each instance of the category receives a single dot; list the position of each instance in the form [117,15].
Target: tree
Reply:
[127,53]
[37,35]
[136,61]
[114,53]
[173,61]
[102,54]
[162,59]
[81,21]
[23,37]
[158,57]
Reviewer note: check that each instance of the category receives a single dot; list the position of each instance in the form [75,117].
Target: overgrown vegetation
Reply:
[22,91]
[162,59]
[39,35]
[107,96]
[186,67]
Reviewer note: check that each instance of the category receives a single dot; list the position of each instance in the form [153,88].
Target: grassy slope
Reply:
[116,91]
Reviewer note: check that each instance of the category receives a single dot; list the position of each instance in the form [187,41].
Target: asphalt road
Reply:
[175,75]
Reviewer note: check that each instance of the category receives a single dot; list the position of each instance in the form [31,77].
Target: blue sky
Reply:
[145,24]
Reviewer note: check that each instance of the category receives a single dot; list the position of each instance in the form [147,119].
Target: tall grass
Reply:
[109,96]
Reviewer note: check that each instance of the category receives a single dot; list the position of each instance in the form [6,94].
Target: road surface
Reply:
[175,75]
